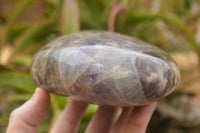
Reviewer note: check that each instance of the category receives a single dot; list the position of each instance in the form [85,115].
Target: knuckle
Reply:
[14,113]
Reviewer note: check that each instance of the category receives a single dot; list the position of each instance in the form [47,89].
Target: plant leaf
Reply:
[39,29]
[19,97]
[19,81]
[23,60]
[16,11]
[69,17]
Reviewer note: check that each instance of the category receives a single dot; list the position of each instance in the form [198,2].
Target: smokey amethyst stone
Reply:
[105,68]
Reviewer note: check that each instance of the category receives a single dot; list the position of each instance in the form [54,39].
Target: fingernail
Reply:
[35,95]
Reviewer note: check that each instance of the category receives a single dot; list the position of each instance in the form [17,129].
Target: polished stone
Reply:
[105,68]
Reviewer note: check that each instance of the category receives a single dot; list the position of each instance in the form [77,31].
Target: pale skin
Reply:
[107,119]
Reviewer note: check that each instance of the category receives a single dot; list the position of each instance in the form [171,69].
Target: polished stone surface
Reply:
[105,68]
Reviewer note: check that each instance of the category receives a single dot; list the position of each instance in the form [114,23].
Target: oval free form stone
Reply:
[105,68]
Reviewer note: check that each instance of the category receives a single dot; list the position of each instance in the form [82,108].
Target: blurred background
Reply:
[173,25]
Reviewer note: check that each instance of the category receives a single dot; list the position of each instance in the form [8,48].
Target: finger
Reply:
[121,122]
[103,120]
[139,118]
[70,118]
[27,117]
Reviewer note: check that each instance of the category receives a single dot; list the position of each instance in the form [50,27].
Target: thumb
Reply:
[27,117]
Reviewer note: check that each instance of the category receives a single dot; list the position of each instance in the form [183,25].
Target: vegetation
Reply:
[27,25]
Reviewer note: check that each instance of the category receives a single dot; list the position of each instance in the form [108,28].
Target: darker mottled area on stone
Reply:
[145,67]
[50,72]
[74,89]
[41,64]
[130,85]
[56,89]
[171,79]
[105,93]
[150,90]
[170,82]
[150,87]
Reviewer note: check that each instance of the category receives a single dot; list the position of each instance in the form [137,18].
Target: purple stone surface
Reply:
[105,68]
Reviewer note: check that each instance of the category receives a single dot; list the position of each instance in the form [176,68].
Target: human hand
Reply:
[107,119]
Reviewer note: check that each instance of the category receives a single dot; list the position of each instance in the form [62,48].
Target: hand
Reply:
[107,119]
